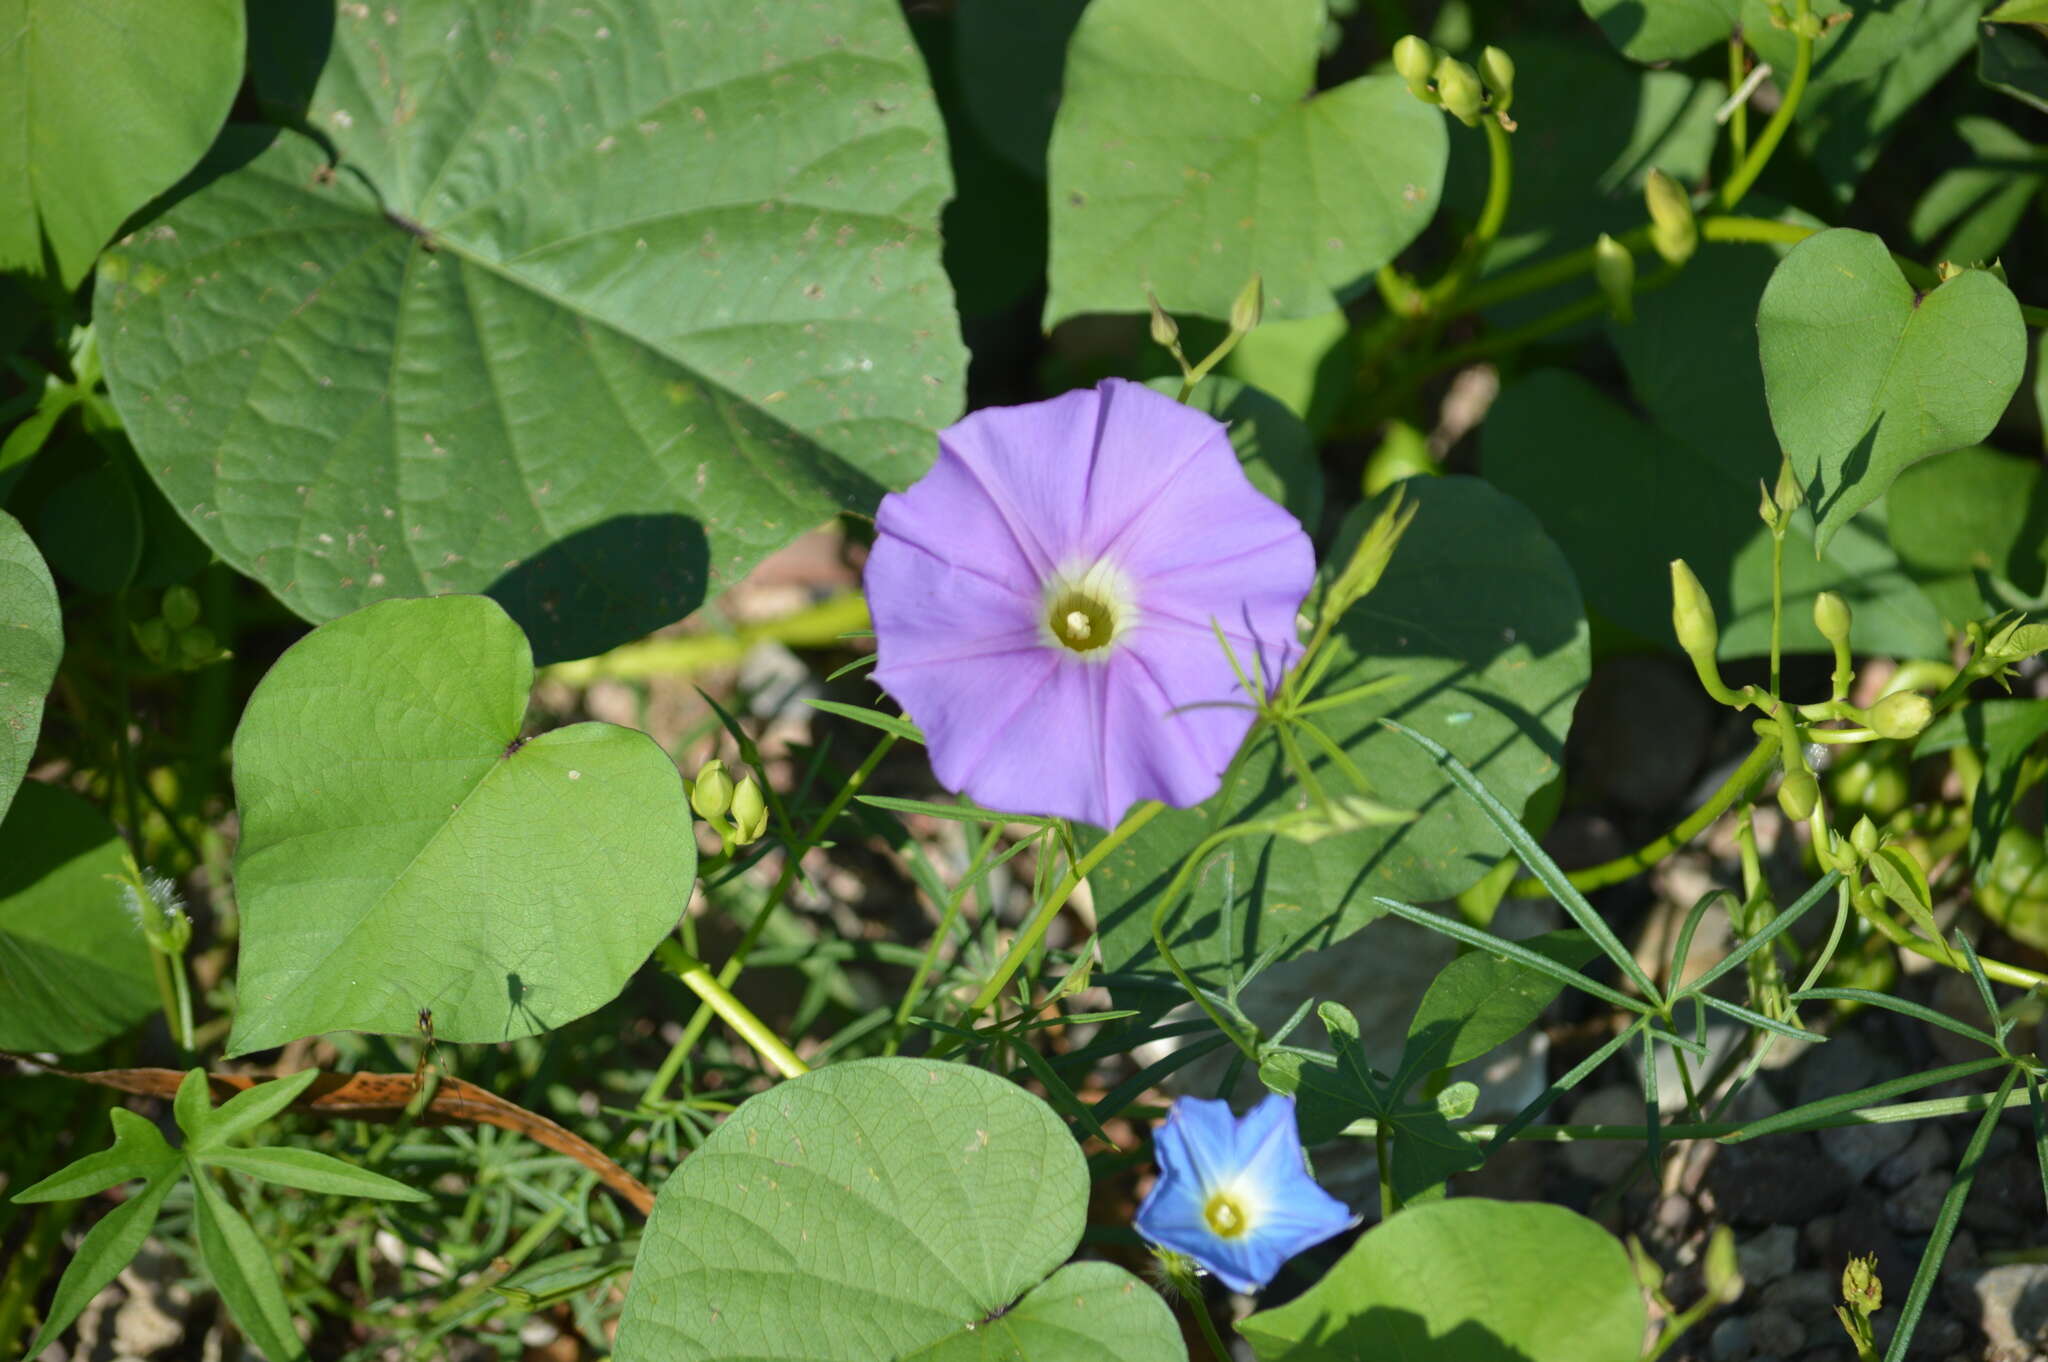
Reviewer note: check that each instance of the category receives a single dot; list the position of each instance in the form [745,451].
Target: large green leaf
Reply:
[105,106]
[73,967]
[1475,1280]
[403,847]
[1663,30]
[1972,524]
[1623,497]
[1865,375]
[882,1209]
[31,645]
[1192,151]
[1970,211]
[1479,618]
[597,308]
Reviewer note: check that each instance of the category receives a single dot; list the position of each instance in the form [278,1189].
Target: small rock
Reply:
[2011,1305]
[1779,1181]
[1929,1148]
[1603,1161]
[1730,1341]
[1767,1257]
[1914,1208]
[1812,1292]
[1956,996]
[1673,1213]
[1817,1235]
[1775,1331]
[2006,1199]
[1642,733]
[1844,1064]
[1860,1149]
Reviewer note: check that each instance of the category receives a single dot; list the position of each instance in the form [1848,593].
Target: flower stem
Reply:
[1034,930]
[1753,769]
[1738,117]
[731,1010]
[1774,131]
[693,1030]
[1199,1307]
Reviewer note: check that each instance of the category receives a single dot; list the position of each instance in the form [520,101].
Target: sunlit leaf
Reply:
[31,642]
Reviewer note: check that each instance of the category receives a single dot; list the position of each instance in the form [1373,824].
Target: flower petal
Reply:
[1144,442]
[1033,462]
[1154,748]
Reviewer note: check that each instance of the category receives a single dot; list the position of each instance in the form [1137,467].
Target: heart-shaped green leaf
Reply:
[31,645]
[1865,375]
[1192,151]
[403,848]
[73,967]
[883,1209]
[1476,1280]
[598,307]
[1972,526]
[1494,679]
[105,107]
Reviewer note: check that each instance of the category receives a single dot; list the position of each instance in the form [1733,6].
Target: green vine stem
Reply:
[734,1013]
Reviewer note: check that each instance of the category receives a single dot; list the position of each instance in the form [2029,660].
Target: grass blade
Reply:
[1522,955]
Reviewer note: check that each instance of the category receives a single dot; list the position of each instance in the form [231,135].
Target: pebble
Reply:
[1813,1292]
[1767,1257]
[1603,1161]
[1779,1181]
[1730,1341]
[1914,1208]
[2011,1306]
[1776,1331]
[1930,1148]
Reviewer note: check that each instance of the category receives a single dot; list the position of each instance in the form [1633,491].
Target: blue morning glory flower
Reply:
[1234,1194]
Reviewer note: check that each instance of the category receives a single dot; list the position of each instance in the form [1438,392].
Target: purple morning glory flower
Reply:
[1043,602]
[1234,1194]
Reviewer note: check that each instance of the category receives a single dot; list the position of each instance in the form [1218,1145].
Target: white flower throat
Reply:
[1088,609]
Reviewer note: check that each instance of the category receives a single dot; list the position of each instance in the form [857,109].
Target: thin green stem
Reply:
[1493,215]
[1774,131]
[1738,118]
[1217,1348]
[1383,1156]
[1753,769]
[734,1013]
[1034,930]
[947,917]
[693,1030]
[1777,604]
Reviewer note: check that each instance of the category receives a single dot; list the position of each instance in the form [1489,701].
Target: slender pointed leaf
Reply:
[139,1151]
[101,1255]
[244,1272]
[311,1172]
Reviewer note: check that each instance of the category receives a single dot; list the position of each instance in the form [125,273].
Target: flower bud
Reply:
[711,791]
[1415,61]
[1692,614]
[1615,269]
[154,638]
[1458,86]
[1249,306]
[1165,333]
[1831,617]
[1861,1289]
[1497,69]
[1870,898]
[1797,794]
[749,812]
[1723,1273]
[1902,714]
[1673,230]
[181,607]
[1864,835]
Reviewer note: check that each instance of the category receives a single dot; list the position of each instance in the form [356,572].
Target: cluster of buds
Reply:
[737,812]
[1436,77]
[1246,310]
[1862,1297]
[175,639]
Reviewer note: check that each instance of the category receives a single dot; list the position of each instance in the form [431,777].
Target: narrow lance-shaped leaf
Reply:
[243,1271]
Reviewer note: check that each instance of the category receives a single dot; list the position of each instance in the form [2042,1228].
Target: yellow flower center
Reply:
[1226,1216]
[1087,610]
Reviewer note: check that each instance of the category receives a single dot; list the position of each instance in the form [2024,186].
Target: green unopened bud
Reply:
[1864,835]
[1692,614]
[1797,794]
[1615,269]
[1415,62]
[1723,1274]
[1902,714]
[1497,69]
[1458,86]
[181,607]
[1788,493]
[154,638]
[711,791]
[1831,617]
[749,812]
[1165,333]
[197,647]
[1249,306]
[1673,230]
[1861,1290]
[1649,1272]
[2015,641]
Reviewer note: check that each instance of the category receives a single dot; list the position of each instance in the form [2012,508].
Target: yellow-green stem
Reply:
[730,1010]
[1034,930]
